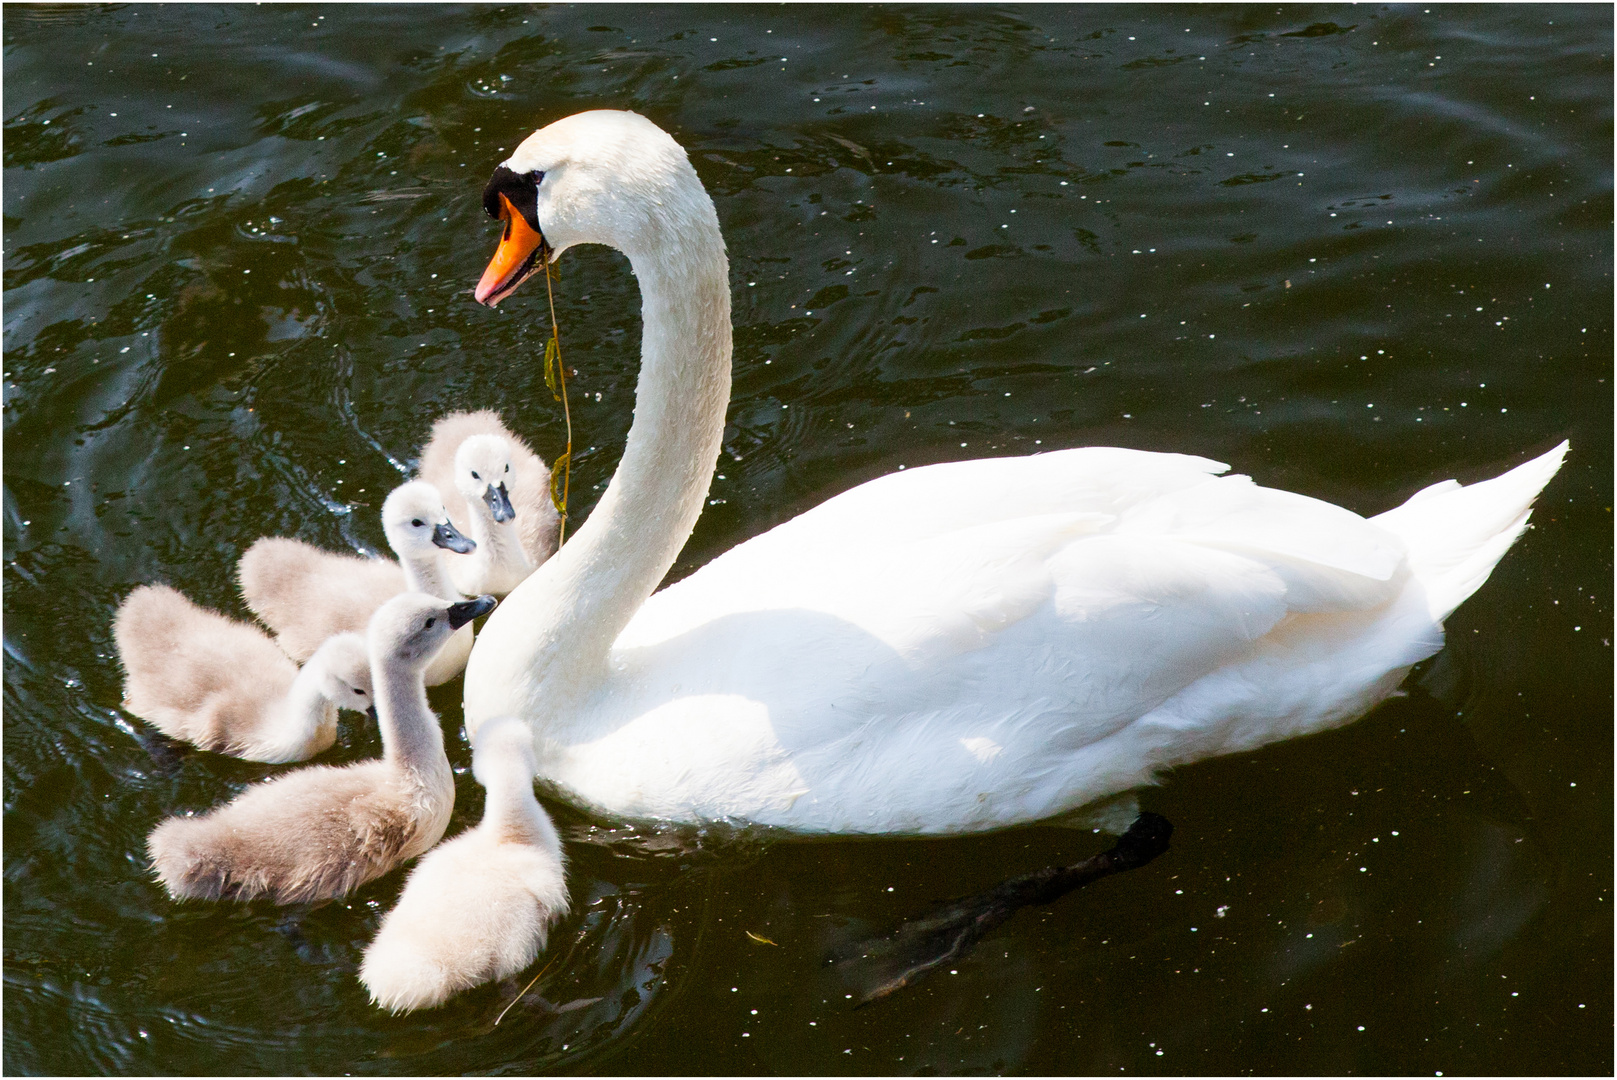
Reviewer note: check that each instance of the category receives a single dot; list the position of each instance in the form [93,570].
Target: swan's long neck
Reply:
[550,639]
[411,737]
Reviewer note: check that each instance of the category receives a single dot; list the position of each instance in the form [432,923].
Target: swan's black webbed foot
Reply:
[1145,840]
[882,965]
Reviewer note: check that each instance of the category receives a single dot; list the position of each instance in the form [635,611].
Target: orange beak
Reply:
[518,256]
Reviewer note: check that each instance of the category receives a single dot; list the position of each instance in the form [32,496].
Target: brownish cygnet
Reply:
[319,832]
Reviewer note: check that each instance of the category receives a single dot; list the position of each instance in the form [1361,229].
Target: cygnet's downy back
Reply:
[223,685]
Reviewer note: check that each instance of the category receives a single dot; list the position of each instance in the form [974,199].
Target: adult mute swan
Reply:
[900,659]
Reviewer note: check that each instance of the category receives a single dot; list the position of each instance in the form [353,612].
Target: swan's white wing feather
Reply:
[850,530]
[1234,512]
[934,499]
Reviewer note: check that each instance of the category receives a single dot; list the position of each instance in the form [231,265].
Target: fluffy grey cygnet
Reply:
[499,490]
[319,832]
[224,685]
[480,906]
[306,594]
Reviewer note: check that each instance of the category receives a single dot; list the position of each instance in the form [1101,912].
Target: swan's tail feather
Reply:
[1456,535]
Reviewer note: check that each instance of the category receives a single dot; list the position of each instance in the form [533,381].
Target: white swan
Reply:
[306,594]
[320,832]
[224,685]
[480,906]
[900,659]
[493,482]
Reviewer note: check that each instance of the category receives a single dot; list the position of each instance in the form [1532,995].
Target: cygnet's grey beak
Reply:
[445,535]
[370,711]
[499,503]
[464,612]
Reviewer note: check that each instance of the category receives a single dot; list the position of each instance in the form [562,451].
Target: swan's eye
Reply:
[430,622]
[538,177]
[475,476]
[358,691]
[418,523]
[508,468]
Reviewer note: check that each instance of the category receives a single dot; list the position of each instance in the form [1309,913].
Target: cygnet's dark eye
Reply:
[430,622]
[508,468]
[418,523]
[475,476]
[358,691]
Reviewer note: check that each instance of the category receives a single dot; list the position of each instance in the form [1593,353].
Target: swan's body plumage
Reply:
[320,832]
[947,649]
[535,527]
[479,906]
[925,666]
[305,594]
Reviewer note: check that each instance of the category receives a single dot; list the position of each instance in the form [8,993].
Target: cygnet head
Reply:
[410,628]
[345,671]
[600,177]
[498,744]
[482,473]
[415,521]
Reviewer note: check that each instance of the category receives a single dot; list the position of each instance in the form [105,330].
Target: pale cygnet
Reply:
[319,832]
[305,594]
[482,478]
[526,493]
[224,685]
[480,906]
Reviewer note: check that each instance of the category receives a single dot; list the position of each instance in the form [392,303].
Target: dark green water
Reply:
[1349,250]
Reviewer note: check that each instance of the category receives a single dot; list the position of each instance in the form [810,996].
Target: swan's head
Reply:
[601,177]
[416,523]
[501,745]
[410,628]
[345,671]
[483,473]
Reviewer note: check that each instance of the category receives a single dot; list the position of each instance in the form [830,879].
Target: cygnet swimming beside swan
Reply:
[478,907]
[319,832]
[499,489]
[224,685]
[306,594]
